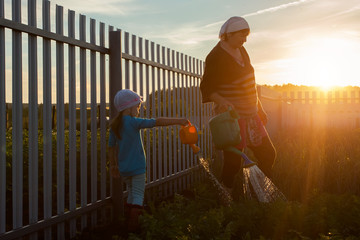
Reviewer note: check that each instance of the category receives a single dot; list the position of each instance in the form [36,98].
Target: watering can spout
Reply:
[195,148]
[248,163]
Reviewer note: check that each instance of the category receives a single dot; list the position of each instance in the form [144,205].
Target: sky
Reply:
[303,42]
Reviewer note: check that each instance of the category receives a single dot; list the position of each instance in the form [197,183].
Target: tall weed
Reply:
[309,161]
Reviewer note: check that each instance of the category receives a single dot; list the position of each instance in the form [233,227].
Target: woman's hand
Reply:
[221,102]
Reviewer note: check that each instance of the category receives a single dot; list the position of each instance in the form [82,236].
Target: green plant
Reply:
[324,216]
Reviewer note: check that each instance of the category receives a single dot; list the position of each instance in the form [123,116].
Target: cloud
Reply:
[346,16]
[104,7]
[187,34]
[196,34]
[277,8]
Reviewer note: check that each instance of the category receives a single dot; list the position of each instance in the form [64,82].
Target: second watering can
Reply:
[189,135]
[226,135]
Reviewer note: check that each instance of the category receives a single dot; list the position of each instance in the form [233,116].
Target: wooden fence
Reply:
[316,109]
[55,183]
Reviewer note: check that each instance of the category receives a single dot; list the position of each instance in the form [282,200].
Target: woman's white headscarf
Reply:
[233,24]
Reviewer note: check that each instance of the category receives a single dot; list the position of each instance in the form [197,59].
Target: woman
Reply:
[229,81]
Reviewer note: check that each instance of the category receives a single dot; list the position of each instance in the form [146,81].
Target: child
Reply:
[126,138]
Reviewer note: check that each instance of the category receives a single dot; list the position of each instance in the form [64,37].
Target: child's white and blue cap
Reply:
[126,98]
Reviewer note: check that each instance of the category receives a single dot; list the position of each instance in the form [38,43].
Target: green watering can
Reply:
[226,135]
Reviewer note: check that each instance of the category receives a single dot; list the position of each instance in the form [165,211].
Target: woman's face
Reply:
[237,39]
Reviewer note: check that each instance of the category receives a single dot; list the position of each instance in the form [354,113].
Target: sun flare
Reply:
[326,63]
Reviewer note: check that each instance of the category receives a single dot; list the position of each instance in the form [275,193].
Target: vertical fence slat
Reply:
[153,110]
[178,111]
[192,107]
[3,115]
[200,117]
[112,90]
[127,63]
[60,123]
[205,127]
[33,119]
[142,87]
[306,112]
[191,111]
[196,103]
[93,122]
[169,114]
[290,111]
[141,73]
[164,113]
[183,113]
[72,122]
[103,123]
[17,120]
[159,142]
[83,121]
[47,128]
[148,104]
[134,72]
[352,105]
[284,115]
[175,99]
[116,83]
[202,122]
[207,112]
[102,114]
[187,114]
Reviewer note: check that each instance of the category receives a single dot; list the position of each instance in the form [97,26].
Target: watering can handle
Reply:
[233,113]
[189,124]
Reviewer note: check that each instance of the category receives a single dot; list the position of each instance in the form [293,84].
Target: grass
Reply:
[324,161]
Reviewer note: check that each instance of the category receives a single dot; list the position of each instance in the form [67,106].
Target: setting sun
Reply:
[325,62]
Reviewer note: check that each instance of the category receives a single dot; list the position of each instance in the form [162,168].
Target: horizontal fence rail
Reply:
[54,177]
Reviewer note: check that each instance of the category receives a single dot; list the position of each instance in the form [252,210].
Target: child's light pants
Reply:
[136,189]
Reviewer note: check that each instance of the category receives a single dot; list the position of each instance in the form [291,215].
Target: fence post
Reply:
[115,84]
[3,126]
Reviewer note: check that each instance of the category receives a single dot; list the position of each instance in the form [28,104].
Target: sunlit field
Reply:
[313,161]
